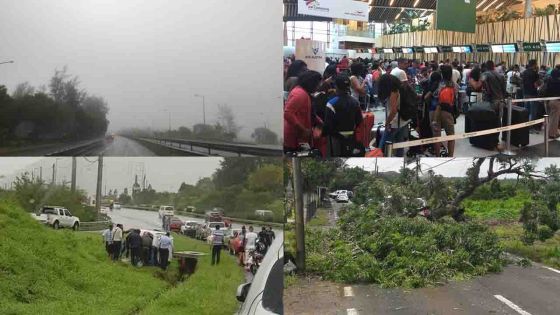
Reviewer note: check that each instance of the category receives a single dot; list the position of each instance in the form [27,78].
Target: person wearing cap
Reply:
[342,115]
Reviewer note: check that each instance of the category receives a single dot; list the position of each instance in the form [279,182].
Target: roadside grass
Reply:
[547,252]
[62,272]
[496,209]
[210,290]
[321,218]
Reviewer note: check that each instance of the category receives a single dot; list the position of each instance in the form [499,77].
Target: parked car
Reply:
[57,217]
[190,209]
[166,210]
[189,228]
[334,194]
[261,295]
[206,230]
[342,198]
[116,205]
[175,224]
[264,214]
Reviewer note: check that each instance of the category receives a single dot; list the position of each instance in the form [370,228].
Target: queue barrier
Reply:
[545,121]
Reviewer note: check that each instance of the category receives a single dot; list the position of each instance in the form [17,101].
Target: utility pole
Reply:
[41,174]
[53,180]
[73,185]
[300,228]
[99,183]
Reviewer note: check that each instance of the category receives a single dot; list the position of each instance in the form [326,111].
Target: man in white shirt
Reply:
[155,250]
[456,75]
[217,244]
[108,239]
[250,243]
[117,241]
[165,247]
[397,71]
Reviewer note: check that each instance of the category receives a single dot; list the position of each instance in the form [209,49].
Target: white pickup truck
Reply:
[57,217]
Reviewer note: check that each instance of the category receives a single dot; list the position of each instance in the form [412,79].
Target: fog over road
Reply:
[122,146]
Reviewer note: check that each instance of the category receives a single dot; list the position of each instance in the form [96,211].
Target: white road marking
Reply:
[552,269]
[348,291]
[511,305]
[351,311]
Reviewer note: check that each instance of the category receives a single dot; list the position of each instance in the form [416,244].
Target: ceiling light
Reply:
[480,4]
[391,4]
[491,4]
[416,3]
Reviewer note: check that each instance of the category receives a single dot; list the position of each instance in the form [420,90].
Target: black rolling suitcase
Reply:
[481,116]
[519,137]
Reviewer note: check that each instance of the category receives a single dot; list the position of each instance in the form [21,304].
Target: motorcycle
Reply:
[256,256]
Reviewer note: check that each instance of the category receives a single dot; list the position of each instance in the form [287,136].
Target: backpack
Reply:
[408,109]
[515,80]
[446,100]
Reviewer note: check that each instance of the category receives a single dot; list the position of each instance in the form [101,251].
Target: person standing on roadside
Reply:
[108,239]
[165,246]
[217,244]
[117,241]
[271,235]
[250,244]
[134,241]
[147,239]
[242,240]
[551,88]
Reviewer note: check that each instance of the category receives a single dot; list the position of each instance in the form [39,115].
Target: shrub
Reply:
[545,233]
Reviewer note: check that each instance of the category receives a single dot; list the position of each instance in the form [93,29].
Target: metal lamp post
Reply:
[203,107]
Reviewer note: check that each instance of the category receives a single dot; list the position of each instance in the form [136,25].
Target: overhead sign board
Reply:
[532,47]
[407,50]
[505,48]
[418,49]
[312,53]
[336,9]
[462,49]
[388,50]
[446,49]
[456,15]
[431,50]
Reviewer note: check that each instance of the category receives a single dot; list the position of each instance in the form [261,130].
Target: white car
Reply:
[334,194]
[57,217]
[116,205]
[166,210]
[264,294]
[342,198]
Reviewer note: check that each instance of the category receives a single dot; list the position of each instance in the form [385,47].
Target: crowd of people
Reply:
[326,113]
[143,248]
[251,242]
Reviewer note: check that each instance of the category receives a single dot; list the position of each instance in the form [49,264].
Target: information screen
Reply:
[446,49]
[505,48]
[553,47]
[482,48]
[462,49]
[418,49]
[532,47]
[388,50]
[497,48]
[431,50]
[397,50]
[407,50]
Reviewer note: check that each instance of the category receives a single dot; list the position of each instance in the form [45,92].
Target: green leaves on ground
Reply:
[397,251]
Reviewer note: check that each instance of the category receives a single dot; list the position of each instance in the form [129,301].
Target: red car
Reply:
[175,224]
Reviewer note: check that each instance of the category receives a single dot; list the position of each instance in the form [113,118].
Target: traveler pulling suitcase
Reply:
[519,137]
[481,116]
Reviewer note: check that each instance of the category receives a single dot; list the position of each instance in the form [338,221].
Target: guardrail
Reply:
[545,121]
[214,148]
[94,226]
[79,149]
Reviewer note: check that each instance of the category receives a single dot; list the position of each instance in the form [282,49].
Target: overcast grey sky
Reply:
[149,58]
[163,173]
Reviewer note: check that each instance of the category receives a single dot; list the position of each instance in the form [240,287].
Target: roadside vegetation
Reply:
[463,230]
[240,186]
[63,111]
[46,272]
[32,193]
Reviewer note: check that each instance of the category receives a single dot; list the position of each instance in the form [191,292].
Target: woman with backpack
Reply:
[443,107]
[402,108]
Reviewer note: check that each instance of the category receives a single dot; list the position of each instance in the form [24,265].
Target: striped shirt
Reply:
[218,237]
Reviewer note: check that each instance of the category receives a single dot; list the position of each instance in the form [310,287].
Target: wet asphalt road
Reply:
[122,146]
[528,291]
[132,218]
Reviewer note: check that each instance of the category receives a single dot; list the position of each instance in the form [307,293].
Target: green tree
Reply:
[263,135]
